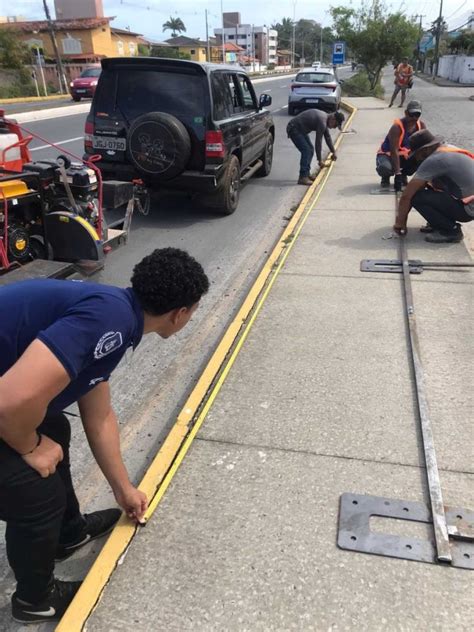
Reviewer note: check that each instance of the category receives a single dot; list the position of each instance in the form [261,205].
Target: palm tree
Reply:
[175,25]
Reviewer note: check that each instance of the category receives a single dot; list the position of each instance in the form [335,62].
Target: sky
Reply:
[147,16]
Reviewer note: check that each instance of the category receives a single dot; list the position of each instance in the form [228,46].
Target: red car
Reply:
[84,86]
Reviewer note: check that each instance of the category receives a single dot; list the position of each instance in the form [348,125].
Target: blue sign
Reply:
[338,53]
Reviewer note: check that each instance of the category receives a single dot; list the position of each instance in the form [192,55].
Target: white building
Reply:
[259,42]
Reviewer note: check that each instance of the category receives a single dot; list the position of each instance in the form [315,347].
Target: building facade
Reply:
[82,40]
[259,42]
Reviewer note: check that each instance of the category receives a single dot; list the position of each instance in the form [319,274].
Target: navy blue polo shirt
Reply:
[87,326]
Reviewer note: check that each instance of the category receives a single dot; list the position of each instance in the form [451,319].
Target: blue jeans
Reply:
[305,146]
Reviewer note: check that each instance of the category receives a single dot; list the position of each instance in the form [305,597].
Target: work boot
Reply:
[312,178]
[427,228]
[51,608]
[385,182]
[306,180]
[446,237]
[96,525]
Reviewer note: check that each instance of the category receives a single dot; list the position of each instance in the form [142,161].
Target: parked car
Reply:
[84,86]
[182,125]
[314,88]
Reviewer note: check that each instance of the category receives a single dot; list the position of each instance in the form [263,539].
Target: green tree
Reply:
[169,52]
[14,54]
[375,36]
[463,44]
[143,50]
[175,25]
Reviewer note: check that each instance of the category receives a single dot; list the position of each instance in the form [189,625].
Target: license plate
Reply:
[111,144]
[312,100]
[81,91]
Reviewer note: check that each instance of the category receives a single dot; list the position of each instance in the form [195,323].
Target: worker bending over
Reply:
[298,130]
[59,343]
[442,189]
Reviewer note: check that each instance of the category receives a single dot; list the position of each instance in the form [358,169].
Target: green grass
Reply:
[359,86]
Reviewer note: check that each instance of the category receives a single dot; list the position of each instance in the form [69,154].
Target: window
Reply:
[132,48]
[221,96]
[140,91]
[72,46]
[231,37]
[315,77]
[242,93]
[120,47]
[91,72]
[193,51]
[203,51]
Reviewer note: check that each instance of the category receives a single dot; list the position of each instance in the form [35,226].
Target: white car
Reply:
[314,88]
[316,65]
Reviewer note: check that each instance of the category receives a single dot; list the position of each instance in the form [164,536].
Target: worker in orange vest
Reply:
[403,81]
[392,157]
[442,189]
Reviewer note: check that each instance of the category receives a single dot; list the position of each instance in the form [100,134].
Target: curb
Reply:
[168,459]
[33,99]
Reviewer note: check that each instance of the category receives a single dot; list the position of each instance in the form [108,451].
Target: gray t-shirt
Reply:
[312,121]
[451,172]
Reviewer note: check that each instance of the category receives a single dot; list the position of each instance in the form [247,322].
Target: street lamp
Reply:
[294,33]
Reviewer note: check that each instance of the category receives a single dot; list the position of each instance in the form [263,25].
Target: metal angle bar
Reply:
[440,526]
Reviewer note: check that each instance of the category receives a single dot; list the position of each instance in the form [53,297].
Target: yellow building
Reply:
[196,49]
[79,40]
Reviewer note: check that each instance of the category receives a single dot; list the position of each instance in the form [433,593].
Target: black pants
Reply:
[383,166]
[439,209]
[40,512]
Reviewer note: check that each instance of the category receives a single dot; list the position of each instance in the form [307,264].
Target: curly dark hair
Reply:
[167,279]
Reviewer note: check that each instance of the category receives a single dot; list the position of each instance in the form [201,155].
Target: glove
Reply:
[398,182]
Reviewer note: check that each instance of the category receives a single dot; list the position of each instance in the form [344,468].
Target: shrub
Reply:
[359,86]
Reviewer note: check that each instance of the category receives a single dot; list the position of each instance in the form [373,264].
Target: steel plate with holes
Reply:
[390,265]
[355,534]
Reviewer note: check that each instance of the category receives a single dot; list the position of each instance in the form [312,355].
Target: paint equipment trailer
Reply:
[52,220]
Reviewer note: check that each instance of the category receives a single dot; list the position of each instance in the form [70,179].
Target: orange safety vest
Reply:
[403,148]
[457,150]
[404,79]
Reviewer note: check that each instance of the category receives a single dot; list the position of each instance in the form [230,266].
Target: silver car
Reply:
[314,88]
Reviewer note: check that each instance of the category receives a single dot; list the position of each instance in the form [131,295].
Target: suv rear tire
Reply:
[266,158]
[159,146]
[226,199]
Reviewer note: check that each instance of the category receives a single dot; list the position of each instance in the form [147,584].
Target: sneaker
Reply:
[427,228]
[96,525]
[445,237]
[51,608]
[306,181]
[385,182]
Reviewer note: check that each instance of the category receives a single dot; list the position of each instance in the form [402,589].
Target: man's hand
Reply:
[45,457]
[333,157]
[133,502]
[398,182]
[322,164]
[399,229]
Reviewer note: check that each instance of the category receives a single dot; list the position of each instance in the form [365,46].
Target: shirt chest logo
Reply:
[110,342]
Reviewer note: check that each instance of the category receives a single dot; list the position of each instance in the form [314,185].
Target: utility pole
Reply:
[223,34]
[321,47]
[420,35]
[438,38]
[207,40]
[62,76]
[293,50]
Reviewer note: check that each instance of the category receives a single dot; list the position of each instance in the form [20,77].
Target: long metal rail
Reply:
[440,525]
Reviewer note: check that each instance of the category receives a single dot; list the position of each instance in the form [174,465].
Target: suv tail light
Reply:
[88,133]
[215,147]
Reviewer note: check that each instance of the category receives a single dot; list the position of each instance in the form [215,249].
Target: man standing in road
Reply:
[442,189]
[298,130]
[59,343]
[392,157]
[403,81]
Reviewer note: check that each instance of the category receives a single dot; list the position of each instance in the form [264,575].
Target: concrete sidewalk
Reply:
[320,401]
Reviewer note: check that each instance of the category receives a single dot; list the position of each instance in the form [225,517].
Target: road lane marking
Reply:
[171,454]
[62,142]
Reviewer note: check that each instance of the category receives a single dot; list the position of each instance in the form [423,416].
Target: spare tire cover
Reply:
[159,145]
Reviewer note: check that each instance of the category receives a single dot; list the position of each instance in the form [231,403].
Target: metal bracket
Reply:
[416,266]
[390,265]
[355,534]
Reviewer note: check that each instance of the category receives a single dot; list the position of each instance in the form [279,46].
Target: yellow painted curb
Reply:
[34,99]
[167,461]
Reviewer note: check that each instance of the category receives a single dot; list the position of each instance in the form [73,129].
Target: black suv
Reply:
[180,125]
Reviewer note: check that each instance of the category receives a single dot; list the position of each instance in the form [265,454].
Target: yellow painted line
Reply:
[53,97]
[165,464]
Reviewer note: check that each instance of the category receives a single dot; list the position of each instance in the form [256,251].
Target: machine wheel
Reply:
[267,158]
[226,199]
[159,146]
